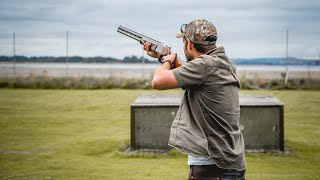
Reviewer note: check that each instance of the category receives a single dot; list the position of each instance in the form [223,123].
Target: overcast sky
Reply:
[246,28]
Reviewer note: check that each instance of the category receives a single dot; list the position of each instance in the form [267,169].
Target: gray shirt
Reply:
[207,122]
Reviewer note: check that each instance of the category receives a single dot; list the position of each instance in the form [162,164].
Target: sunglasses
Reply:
[183,28]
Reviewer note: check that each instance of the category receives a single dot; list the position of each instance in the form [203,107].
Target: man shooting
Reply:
[206,126]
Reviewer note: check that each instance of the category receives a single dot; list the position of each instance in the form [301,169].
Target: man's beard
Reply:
[189,57]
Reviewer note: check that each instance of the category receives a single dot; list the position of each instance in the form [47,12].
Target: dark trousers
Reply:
[213,172]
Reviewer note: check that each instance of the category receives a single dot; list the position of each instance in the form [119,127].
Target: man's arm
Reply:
[163,77]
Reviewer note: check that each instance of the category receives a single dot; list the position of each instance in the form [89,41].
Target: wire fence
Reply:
[62,44]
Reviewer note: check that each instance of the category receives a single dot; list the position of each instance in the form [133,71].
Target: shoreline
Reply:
[136,70]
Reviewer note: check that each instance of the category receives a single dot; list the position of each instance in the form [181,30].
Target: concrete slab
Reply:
[261,121]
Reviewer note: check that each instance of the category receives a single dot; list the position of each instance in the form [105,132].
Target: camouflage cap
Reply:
[198,30]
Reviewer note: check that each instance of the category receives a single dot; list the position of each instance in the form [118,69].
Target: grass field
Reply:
[81,134]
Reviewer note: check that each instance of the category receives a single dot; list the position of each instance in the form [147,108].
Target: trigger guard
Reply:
[160,59]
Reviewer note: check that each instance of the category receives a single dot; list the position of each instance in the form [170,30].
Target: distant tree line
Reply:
[135,59]
[97,59]
[277,61]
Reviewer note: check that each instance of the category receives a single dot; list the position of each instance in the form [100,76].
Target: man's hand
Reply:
[147,46]
[171,57]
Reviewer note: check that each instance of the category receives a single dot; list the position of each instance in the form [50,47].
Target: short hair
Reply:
[204,48]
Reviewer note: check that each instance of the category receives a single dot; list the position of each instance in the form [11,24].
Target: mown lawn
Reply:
[81,134]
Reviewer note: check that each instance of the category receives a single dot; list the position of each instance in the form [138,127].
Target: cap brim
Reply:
[179,35]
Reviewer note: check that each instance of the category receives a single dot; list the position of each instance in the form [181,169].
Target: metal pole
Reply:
[287,55]
[67,57]
[142,64]
[14,56]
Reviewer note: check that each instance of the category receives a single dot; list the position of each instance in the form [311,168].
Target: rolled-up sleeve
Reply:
[191,74]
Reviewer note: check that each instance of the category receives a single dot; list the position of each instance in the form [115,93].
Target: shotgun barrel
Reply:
[156,46]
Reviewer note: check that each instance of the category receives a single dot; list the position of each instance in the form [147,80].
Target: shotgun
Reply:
[156,46]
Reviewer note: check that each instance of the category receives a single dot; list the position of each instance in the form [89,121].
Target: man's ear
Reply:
[189,44]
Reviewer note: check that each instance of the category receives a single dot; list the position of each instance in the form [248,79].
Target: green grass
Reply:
[87,82]
[81,134]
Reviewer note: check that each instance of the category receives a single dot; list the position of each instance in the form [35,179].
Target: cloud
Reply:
[246,28]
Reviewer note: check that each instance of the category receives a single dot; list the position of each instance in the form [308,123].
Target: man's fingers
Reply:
[146,46]
[172,57]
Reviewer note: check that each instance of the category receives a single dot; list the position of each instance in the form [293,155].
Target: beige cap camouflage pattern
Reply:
[198,30]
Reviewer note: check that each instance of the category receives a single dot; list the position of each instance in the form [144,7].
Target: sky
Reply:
[246,28]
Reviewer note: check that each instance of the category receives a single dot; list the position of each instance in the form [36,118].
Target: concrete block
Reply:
[261,121]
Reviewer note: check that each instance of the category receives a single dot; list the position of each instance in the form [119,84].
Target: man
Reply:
[206,126]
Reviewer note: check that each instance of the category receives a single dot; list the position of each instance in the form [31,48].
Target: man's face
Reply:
[187,53]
